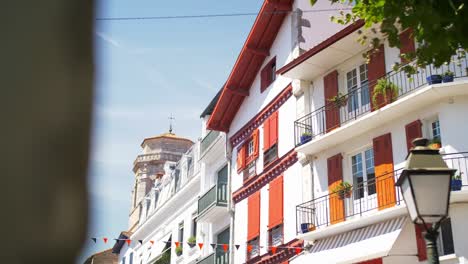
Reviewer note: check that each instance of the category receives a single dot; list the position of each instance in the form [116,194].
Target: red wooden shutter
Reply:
[275,202]
[376,70]
[413,130]
[335,177]
[266,134]
[253,225]
[241,158]
[420,242]
[255,143]
[332,113]
[274,128]
[384,177]
[406,43]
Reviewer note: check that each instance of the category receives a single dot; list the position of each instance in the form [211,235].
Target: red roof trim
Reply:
[248,63]
[272,171]
[321,46]
[282,254]
[258,119]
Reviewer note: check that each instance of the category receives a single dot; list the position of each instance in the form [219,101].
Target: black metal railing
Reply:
[216,196]
[363,198]
[220,257]
[359,101]
[208,140]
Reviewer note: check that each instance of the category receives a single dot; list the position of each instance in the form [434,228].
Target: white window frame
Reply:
[359,84]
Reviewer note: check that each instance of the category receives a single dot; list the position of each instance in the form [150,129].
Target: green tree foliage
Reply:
[439,26]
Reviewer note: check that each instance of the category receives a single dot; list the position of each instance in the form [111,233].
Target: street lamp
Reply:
[425,185]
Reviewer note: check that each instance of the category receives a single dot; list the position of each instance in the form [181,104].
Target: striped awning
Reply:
[361,244]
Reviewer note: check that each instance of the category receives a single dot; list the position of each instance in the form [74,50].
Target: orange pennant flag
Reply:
[298,250]
[128,241]
[152,242]
[225,247]
[105,240]
[249,248]
[273,250]
[200,245]
[177,244]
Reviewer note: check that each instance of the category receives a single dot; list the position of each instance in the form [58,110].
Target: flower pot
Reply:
[311,227]
[305,138]
[435,146]
[455,185]
[305,227]
[344,194]
[447,78]
[434,79]
[191,245]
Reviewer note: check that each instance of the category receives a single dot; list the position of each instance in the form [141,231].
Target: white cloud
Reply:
[108,39]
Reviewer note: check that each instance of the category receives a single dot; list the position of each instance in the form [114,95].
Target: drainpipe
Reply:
[231,211]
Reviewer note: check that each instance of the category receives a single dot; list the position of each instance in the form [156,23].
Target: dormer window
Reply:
[268,74]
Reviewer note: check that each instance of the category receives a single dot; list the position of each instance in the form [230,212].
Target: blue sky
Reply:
[146,70]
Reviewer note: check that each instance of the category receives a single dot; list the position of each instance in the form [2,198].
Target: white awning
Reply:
[362,244]
[157,248]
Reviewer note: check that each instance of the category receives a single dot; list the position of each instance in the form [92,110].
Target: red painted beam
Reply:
[258,51]
[238,91]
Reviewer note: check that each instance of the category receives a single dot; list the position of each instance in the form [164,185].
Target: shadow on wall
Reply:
[46,85]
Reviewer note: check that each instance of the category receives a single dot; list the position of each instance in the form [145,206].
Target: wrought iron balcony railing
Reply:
[216,196]
[364,198]
[219,257]
[359,100]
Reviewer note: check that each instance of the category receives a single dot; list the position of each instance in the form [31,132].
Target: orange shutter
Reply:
[275,215]
[376,70]
[332,113]
[413,130]
[241,158]
[406,43]
[335,177]
[383,161]
[420,242]
[255,143]
[274,128]
[266,134]
[253,225]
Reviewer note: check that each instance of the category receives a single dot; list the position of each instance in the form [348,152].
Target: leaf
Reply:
[312,2]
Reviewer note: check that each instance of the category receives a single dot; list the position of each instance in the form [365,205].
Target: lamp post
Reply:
[425,185]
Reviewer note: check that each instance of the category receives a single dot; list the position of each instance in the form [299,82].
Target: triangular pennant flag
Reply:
[105,239]
[273,250]
[237,246]
[141,241]
[298,250]
[128,241]
[200,245]
[225,247]
[94,239]
[249,248]
[213,246]
[177,244]
[152,242]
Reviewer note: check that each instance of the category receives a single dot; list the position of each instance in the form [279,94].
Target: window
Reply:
[194,224]
[268,74]
[123,260]
[130,259]
[357,98]
[435,129]
[181,234]
[250,171]
[275,236]
[362,165]
[247,155]
[445,239]
[255,248]
[270,138]
[250,148]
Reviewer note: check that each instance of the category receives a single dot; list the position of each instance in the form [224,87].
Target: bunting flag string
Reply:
[214,246]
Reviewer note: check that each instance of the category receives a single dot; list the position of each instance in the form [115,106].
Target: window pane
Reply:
[370,173]
[435,129]
[356,164]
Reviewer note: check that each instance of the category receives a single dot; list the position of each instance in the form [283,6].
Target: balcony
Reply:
[213,203]
[358,104]
[208,140]
[366,199]
[216,258]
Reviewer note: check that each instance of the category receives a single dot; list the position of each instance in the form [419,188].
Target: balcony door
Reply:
[358,91]
[221,185]
[364,192]
[221,256]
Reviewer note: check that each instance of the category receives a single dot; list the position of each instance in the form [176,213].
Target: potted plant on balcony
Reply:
[386,89]
[307,227]
[433,79]
[179,250]
[306,137]
[456,182]
[448,77]
[339,100]
[343,190]
[435,143]
[192,241]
